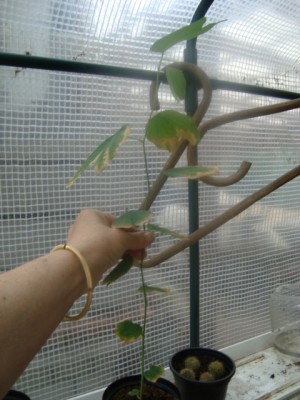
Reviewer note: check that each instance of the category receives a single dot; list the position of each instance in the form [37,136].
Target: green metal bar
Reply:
[51,64]
[190,56]
[191,104]
[253,89]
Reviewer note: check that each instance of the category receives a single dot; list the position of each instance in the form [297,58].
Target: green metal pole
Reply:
[190,56]
[54,64]
[190,107]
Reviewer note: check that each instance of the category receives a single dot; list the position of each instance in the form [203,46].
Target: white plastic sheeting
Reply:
[51,120]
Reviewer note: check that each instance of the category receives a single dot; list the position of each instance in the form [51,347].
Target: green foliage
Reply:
[191,172]
[186,33]
[134,393]
[165,231]
[128,332]
[132,218]
[153,289]
[167,128]
[103,154]
[154,372]
[121,269]
[177,82]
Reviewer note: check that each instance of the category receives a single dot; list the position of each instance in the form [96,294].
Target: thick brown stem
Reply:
[222,219]
[250,113]
[213,123]
[204,82]
[228,180]
[161,179]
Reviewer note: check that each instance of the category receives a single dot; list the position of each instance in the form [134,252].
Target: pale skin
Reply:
[35,297]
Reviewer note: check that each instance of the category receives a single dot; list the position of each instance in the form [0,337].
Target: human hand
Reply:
[103,246]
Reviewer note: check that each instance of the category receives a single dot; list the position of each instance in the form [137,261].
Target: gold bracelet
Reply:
[89,281]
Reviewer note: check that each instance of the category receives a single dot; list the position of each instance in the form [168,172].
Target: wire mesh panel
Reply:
[50,121]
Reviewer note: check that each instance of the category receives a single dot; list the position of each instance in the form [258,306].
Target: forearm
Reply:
[34,298]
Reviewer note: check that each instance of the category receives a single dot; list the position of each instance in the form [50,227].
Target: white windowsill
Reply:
[262,373]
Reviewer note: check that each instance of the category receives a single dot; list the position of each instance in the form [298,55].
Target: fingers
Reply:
[92,228]
[139,240]
[137,254]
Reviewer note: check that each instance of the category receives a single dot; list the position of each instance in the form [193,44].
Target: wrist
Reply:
[70,270]
[85,273]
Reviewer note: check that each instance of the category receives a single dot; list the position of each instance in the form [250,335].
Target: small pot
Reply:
[16,395]
[169,390]
[191,389]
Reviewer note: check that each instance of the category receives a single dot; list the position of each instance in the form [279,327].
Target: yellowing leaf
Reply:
[153,289]
[103,154]
[191,172]
[121,269]
[128,331]
[110,148]
[132,218]
[167,128]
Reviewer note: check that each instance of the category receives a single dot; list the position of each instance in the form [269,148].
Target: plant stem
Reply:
[146,163]
[222,218]
[144,330]
[141,267]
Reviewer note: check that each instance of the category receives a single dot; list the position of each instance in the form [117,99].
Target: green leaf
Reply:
[165,231]
[121,269]
[128,331]
[103,154]
[185,33]
[177,82]
[134,393]
[153,289]
[167,128]
[154,372]
[191,172]
[132,218]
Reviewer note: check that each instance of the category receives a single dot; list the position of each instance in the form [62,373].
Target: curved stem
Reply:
[228,180]
[153,105]
[213,123]
[222,219]
[204,82]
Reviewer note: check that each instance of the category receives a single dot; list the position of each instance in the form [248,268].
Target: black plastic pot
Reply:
[130,381]
[195,389]
[16,395]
